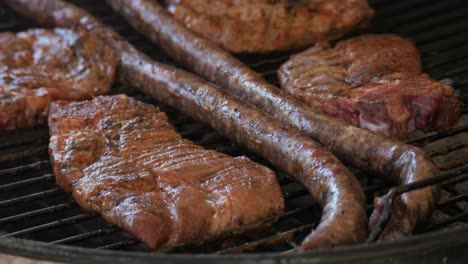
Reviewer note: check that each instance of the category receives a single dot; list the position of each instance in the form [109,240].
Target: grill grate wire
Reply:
[32,207]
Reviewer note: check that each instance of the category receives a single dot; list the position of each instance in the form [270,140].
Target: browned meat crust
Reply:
[265,25]
[374,82]
[329,182]
[39,66]
[121,158]
[394,160]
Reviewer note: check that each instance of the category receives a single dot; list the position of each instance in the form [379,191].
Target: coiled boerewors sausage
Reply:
[396,161]
[329,182]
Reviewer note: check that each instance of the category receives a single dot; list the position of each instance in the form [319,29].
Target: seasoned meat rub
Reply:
[391,159]
[121,158]
[265,25]
[331,185]
[39,66]
[374,82]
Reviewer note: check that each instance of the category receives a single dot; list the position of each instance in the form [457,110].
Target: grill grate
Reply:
[32,207]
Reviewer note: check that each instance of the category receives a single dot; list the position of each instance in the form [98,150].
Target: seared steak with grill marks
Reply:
[265,25]
[121,158]
[39,66]
[374,82]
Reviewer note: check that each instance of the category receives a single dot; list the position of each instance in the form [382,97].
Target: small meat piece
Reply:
[121,158]
[374,82]
[40,65]
[265,25]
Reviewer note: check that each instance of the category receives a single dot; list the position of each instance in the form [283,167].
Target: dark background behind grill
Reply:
[32,207]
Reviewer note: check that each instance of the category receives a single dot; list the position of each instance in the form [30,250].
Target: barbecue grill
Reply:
[39,220]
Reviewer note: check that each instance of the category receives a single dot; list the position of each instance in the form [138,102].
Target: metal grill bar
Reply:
[20,169]
[446,56]
[268,241]
[86,235]
[452,164]
[390,197]
[120,244]
[194,131]
[14,185]
[424,140]
[395,8]
[276,60]
[426,38]
[447,149]
[26,137]
[448,221]
[46,210]
[438,19]
[66,221]
[454,199]
[463,68]
[373,188]
[30,197]
[420,13]
[456,179]
[23,154]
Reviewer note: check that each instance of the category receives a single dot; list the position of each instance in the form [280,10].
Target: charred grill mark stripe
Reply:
[326,178]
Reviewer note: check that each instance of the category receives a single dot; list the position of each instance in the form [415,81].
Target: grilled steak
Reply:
[334,188]
[265,25]
[39,66]
[374,82]
[121,158]
[394,160]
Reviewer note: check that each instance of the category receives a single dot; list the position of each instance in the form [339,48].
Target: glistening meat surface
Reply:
[391,159]
[40,65]
[329,182]
[265,25]
[121,158]
[374,82]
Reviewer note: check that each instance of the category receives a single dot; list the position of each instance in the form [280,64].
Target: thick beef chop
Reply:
[40,65]
[121,158]
[265,25]
[374,82]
